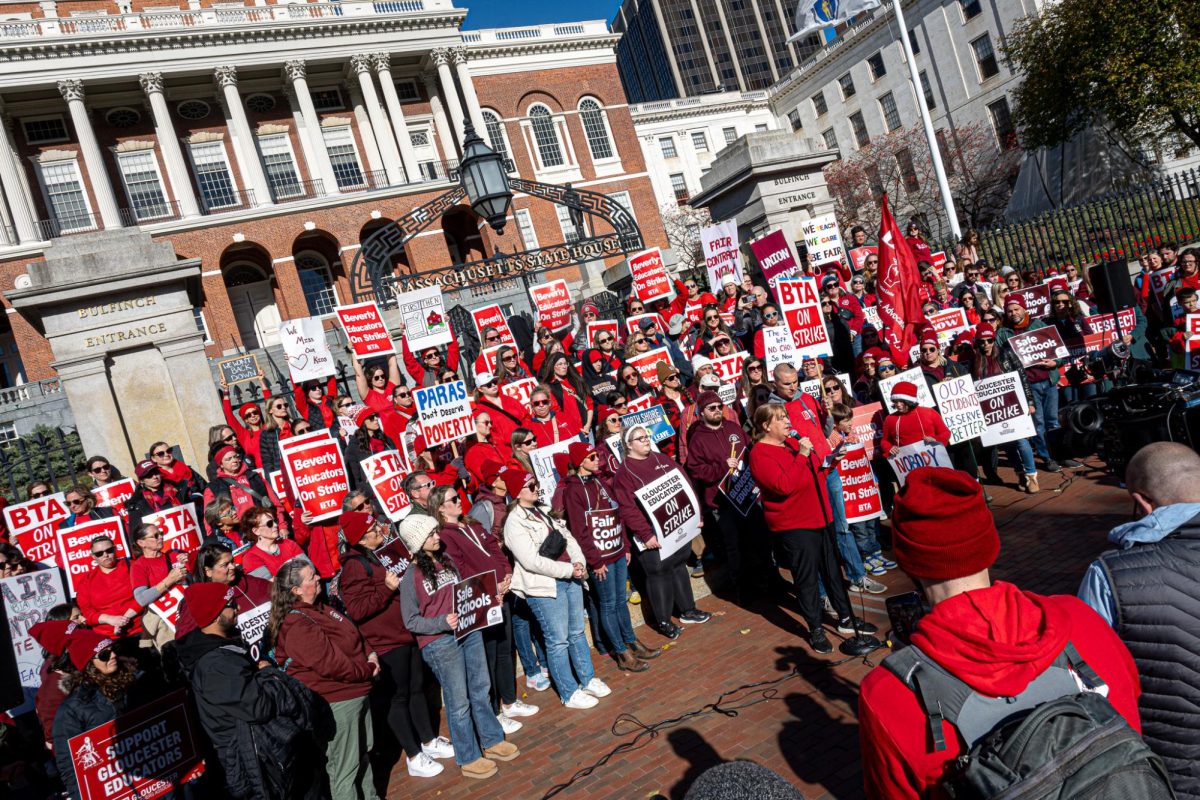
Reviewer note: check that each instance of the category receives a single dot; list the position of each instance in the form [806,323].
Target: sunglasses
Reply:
[714,407]
[161,453]
[712,319]
[424,486]
[230,438]
[832,389]
[430,356]
[73,503]
[267,523]
[529,442]
[101,468]
[102,553]
[509,358]
[770,315]
[537,403]
[929,349]
[887,367]
[402,395]
[484,421]
[639,341]
[35,495]
[754,368]
[347,404]
[604,340]
[492,338]
[105,655]
[984,341]
[156,535]
[254,412]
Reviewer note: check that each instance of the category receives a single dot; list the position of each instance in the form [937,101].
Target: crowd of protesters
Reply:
[341,677]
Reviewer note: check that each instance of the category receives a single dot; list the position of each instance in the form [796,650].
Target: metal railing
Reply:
[48,454]
[150,211]
[219,199]
[284,191]
[66,225]
[367,179]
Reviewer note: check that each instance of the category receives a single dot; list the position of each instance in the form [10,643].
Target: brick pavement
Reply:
[804,727]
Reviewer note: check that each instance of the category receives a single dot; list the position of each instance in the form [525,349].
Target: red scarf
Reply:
[167,498]
[178,472]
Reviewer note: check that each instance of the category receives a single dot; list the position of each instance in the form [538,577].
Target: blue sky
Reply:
[511,13]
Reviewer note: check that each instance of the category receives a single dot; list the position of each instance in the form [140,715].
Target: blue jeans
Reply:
[614,610]
[866,536]
[1045,415]
[847,549]
[527,637]
[567,655]
[461,669]
[1020,452]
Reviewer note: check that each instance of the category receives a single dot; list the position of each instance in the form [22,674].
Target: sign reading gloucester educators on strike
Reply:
[918,454]
[800,304]
[75,546]
[649,274]
[775,258]
[552,304]
[445,411]
[492,317]
[960,409]
[1005,409]
[28,599]
[477,603]
[859,489]
[31,525]
[386,472]
[365,329]
[674,512]
[722,257]
[1040,345]
[315,467]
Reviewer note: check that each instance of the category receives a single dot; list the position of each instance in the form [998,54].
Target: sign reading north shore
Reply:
[823,240]
[674,512]
[492,317]
[653,419]
[649,274]
[364,327]
[386,472]
[722,257]
[423,312]
[445,411]
[315,467]
[31,525]
[552,304]
[477,604]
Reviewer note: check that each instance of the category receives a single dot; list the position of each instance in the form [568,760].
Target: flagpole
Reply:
[930,138]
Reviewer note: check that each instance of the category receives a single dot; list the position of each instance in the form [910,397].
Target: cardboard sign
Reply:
[866,426]
[860,491]
[477,603]
[800,305]
[916,455]
[28,599]
[445,412]
[365,328]
[239,370]
[633,324]
[113,495]
[1037,299]
[31,526]
[386,472]
[1040,345]
[166,607]
[729,368]
[423,312]
[948,324]
[252,623]
[779,347]
[649,274]
[74,546]
[647,364]
[959,406]
[722,256]
[640,403]
[859,255]
[181,530]
[823,240]
[776,258]
[552,304]
[492,317]
[594,327]
[544,470]
[305,349]
[141,755]
[654,419]
[520,390]
[1005,409]
[316,469]
[670,503]
[604,529]
[395,557]
[914,376]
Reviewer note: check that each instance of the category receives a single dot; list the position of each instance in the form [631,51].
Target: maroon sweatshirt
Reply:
[633,475]
[473,550]
[323,649]
[371,604]
[601,544]
[708,451]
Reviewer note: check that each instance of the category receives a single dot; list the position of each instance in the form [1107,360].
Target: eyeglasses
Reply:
[603,339]
[254,412]
[346,404]
[452,499]
[424,486]
[538,403]
[1061,302]
[35,495]
[672,377]
[492,338]
[826,304]
[100,468]
[712,318]
[529,442]
[429,356]
[230,513]
[508,358]
[102,553]
[690,286]
[642,438]
[484,421]
[155,535]
[266,523]
[984,341]
[230,438]
[360,506]
[640,340]
[714,407]
[160,453]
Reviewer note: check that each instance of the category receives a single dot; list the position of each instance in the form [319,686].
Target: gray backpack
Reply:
[1050,741]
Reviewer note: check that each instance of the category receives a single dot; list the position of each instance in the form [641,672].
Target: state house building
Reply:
[269,139]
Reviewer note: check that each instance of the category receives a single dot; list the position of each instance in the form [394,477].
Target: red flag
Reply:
[897,287]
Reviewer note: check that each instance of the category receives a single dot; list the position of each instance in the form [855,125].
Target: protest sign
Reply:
[948,324]
[860,492]
[653,419]
[914,376]
[113,495]
[738,486]
[239,370]
[520,390]
[649,275]
[181,530]
[918,454]
[593,328]
[386,472]
[647,364]
[1040,345]
[873,318]
[816,389]
[938,262]
[1005,409]
[722,257]
[365,329]
[866,426]
[31,525]
[166,606]
[633,324]
[729,368]
[305,349]
[544,470]
[800,305]
[477,604]
[252,624]
[859,255]
[1107,323]
[603,528]
[74,546]
[640,403]
[779,347]
[276,485]
[423,314]
[28,599]
[394,557]
[1160,279]
[492,317]
[674,512]
[315,468]
[776,258]
[823,240]
[489,356]
[728,393]
[959,406]
[1192,345]
[445,412]
[141,755]
[552,304]
[1037,299]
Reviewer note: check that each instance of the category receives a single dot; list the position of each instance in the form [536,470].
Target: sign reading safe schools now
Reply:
[477,603]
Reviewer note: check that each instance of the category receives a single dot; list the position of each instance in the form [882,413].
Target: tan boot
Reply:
[642,651]
[502,751]
[479,768]
[628,662]
[1031,484]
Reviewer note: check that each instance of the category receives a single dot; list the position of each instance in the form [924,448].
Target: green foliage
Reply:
[41,455]
[1131,67]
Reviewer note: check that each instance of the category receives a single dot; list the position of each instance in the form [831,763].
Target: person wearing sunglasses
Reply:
[483,447]
[697,299]
[102,472]
[608,420]
[249,422]
[771,319]
[314,403]
[220,437]
[81,507]
[568,391]
[241,484]
[547,424]
[189,485]
[214,564]
[428,365]
[376,382]
[105,593]
[510,366]
[545,343]
[369,439]
[504,412]
[152,573]
[270,550]
[276,428]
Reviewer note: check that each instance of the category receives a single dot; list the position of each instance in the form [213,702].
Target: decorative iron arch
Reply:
[371,275]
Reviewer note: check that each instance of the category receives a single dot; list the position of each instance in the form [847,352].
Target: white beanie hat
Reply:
[415,529]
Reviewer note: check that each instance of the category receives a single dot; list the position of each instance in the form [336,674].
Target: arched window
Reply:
[596,129]
[549,148]
[495,134]
[317,282]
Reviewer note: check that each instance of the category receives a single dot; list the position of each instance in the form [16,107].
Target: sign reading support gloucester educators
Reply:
[1005,409]
[918,454]
[671,504]
[1040,345]
[445,411]
[477,603]
[181,529]
[316,470]
[28,599]
[386,472]
[860,492]
[366,330]
[75,546]
[823,240]
[552,304]
[653,419]
[800,305]
[775,258]
[252,624]
[649,275]
[423,313]
[722,256]
[492,317]
[305,349]
[31,526]
[913,376]
[960,409]
[240,369]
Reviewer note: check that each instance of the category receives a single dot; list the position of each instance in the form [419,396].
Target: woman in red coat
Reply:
[425,370]
[911,422]
[548,425]
[505,412]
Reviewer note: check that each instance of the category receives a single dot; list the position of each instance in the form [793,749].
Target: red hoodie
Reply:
[995,640]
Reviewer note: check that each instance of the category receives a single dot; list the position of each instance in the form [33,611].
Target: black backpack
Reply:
[1050,741]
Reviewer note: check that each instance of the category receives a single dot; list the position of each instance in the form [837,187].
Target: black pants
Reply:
[807,553]
[668,585]
[498,648]
[744,540]
[399,696]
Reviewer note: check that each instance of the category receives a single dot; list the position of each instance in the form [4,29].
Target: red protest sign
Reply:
[492,317]
[75,546]
[1192,349]
[640,403]
[490,354]
[801,307]
[181,529]
[938,262]
[948,322]
[1036,298]
[729,368]
[316,469]
[113,495]
[1039,345]
[364,327]
[649,273]
[596,326]
[860,492]
[1107,323]
[520,390]
[866,426]
[386,472]
[1160,279]
[141,755]
[859,255]
[775,258]
[477,604]
[31,526]
[167,606]
[552,302]
[632,324]
[647,364]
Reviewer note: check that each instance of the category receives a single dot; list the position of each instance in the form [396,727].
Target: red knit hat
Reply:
[85,644]
[355,524]
[54,635]
[604,412]
[929,336]
[941,526]
[488,472]
[514,480]
[578,451]
[1015,300]
[224,451]
[905,390]
[985,329]
[206,600]
[246,408]
[360,416]
[562,463]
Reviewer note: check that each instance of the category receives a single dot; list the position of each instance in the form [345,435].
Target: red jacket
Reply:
[99,592]
[996,640]
[416,366]
[792,487]
[323,649]
[371,604]
[506,418]
[555,428]
[902,429]
[808,419]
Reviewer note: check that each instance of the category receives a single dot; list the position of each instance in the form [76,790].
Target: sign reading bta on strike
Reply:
[75,546]
[365,329]
[181,530]
[386,472]
[492,317]
[552,302]
[477,603]
[649,274]
[445,411]
[800,304]
[31,525]
[314,466]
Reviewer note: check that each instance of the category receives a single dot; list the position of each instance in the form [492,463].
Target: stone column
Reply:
[445,135]
[11,178]
[441,58]
[383,63]
[177,171]
[72,91]
[245,148]
[366,132]
[361,66]
[459,54]
[315,151]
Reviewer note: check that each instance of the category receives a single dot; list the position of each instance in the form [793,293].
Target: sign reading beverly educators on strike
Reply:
[141,755]
[423,313]
[823,240]
[317,472]
[477,604]
[775,258]
[800,305]
[445,411]
[181,530]
[75,546]
[860,492]
[552,304]
[492,317]
[918,454]
[386,472]
[959,406]
[722,258]
[113,495]
[647,364]
[674,512]
[1005,409]
[649,275]
[365,329]
[1043,344]
[31,526]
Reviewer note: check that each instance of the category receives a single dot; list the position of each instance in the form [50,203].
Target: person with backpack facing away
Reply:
[988,642]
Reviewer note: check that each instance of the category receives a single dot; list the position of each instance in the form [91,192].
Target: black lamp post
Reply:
[485,180]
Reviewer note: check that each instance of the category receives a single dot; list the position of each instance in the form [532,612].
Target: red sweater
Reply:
[996,640]
[372,605]
[474,550]
[792,487]
[555,428]
[902,429]
[507,416]
[98,592]
[324,650]
[257,557]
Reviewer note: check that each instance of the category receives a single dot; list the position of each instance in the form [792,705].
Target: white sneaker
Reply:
[519,709]
[509,725]
[597,688]
[422,766]
[440,747]
[581,699]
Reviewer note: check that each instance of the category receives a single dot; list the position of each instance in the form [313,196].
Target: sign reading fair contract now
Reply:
[365,329]
[552,302]
[314,465]
[445,412]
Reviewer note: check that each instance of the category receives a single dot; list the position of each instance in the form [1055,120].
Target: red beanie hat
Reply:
[514,480]
[85,644]
[246,408]
[54,635]
[489,470]
[985,329]
[562,463]
[929,336]
[578,451]
[206,600]
[360,416]
[941,525]
[1014,299]
[224,451]
[604,412]
[905,390]
[355,524]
